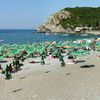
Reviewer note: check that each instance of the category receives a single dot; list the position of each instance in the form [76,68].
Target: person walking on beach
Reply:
[7,72]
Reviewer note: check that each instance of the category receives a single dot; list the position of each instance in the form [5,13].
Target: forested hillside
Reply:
[82,16]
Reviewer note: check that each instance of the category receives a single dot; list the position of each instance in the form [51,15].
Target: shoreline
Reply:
[87,32]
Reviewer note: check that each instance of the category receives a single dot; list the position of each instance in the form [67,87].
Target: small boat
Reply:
[1,40]
[55,33]
[84,34]
[46,33]
[65,34]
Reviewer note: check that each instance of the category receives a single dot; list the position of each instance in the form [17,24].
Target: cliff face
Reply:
[53,23]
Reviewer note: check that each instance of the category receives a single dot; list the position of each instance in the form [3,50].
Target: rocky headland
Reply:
[53,23]
[73,20]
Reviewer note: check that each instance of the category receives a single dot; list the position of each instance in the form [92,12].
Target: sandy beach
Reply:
[53,82]
[50,50]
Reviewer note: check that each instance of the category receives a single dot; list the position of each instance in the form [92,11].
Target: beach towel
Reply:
[50,57]
[70,61]
[32,62]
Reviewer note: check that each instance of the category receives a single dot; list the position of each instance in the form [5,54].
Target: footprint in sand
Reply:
[47,71]
[22,77]
[67,74]
[17,90]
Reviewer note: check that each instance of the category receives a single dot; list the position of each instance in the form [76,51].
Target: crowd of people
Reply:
[52,49]
[11,68]
[16,63]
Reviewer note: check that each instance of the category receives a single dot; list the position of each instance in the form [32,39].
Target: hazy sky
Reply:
[32,13]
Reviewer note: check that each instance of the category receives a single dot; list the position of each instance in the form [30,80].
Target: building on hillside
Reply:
[81,29]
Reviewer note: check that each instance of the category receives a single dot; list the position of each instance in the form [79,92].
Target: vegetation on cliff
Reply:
[82,17]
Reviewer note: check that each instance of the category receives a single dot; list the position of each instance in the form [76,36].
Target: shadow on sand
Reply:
[87,66]
[17,90]
[47,71]
[67,74]
[3,61]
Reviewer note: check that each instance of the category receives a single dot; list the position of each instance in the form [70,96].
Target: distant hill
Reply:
[68,19]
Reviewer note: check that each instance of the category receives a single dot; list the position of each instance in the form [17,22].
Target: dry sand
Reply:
[52,82]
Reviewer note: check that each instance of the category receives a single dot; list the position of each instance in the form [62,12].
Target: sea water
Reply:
[22,36]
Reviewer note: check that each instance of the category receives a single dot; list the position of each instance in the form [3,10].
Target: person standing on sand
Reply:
[10,67]
[62,61]
[13,62]
[43,56]
[17,64]
[42,60]
[7,72]
[22,57]
[1,67]
[61,58]
[94,44]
